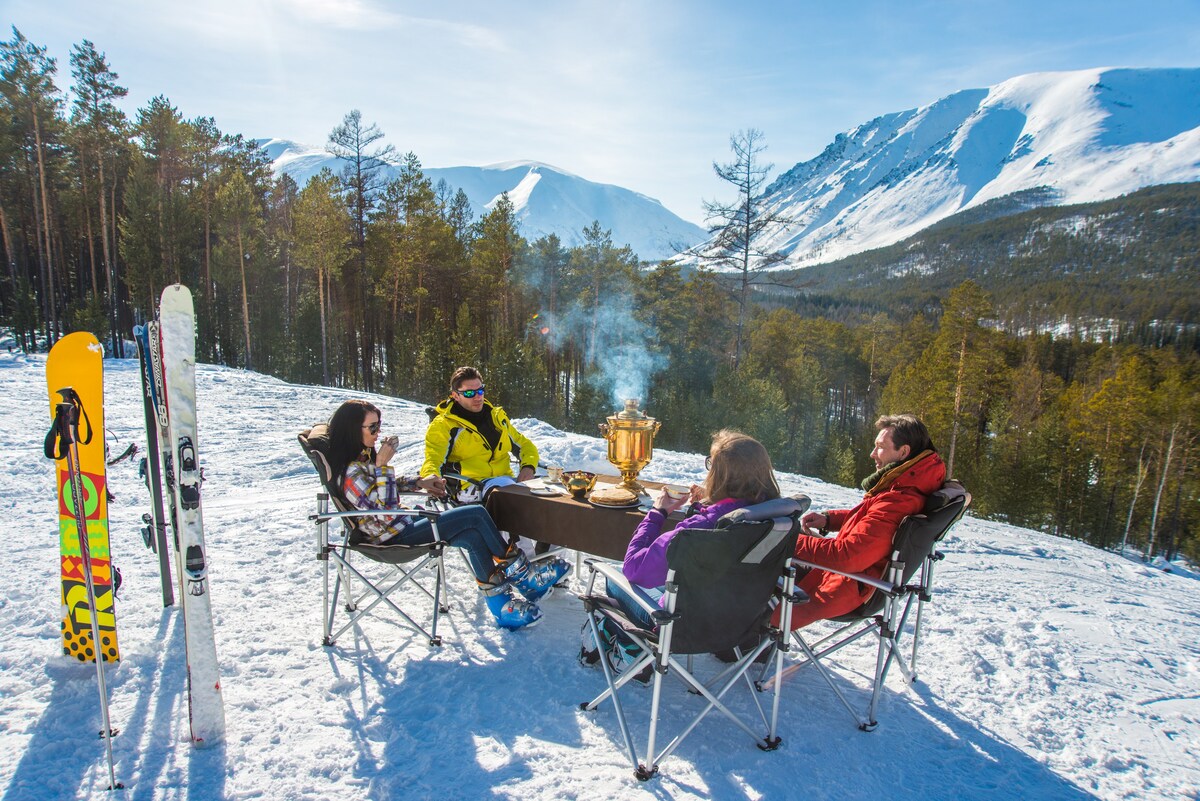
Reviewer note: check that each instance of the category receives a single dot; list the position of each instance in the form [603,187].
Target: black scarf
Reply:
[482,420]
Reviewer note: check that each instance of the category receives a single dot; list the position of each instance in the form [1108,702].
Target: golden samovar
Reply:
[630,434]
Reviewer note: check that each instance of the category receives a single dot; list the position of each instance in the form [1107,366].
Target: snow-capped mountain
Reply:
[1071,137]
[548,200]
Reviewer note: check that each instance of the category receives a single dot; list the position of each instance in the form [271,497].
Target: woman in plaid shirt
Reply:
[369,483]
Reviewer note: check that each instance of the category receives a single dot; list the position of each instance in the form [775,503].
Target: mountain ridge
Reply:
[547,199]
[1076,137]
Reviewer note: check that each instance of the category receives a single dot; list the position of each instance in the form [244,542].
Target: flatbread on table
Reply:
[613,496]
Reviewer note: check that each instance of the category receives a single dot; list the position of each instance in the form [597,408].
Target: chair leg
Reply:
[438,589]
[645,772]
[611,690]
[926,588]
[323,556]
[381,596]
[861,722]
[444,604]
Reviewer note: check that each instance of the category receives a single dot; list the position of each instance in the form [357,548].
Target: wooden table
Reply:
[561,520]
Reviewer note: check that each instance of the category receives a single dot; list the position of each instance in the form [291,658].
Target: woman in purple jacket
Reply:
[739,474]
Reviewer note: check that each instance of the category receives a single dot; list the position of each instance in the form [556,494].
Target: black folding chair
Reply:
[885,613]
[405,564]
[718,589]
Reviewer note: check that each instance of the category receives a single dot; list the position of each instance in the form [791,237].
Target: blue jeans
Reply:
[635,610]
[467,527]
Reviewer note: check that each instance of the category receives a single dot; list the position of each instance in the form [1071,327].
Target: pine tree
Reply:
[32,103]
[102,125]
[324,230]
[951,385]
[741,227]
[362,180]
[241,221]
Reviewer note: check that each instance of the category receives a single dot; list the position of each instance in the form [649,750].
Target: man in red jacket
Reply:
[908,470]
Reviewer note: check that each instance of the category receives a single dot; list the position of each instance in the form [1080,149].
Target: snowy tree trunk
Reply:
[1158,495]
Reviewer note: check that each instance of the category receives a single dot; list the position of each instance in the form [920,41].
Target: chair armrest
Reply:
[463,479]
[613,573]
[430,514]
[879,584]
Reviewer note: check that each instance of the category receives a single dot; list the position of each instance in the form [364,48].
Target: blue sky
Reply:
[640,94]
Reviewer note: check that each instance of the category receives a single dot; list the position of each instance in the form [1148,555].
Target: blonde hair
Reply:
[741,469]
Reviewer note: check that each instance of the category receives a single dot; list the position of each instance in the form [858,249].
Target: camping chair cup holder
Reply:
[885,614]
[718,588]
[401,564]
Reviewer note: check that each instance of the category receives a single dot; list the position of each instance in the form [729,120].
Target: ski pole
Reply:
[66,431]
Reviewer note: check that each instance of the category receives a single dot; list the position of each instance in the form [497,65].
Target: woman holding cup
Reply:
[739,474]
[358,458]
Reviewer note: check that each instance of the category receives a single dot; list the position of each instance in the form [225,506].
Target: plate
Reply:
[547,492]
[631,505]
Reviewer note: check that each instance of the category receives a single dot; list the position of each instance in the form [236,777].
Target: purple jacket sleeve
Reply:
[646,556]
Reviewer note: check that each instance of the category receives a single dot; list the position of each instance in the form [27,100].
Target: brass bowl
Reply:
[579,482]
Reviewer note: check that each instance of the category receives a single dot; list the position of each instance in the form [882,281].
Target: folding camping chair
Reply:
[886,612]
[718,589]
[404,563]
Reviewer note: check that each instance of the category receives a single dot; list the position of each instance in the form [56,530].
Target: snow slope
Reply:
[547,200]
[1075,137]
[1051,671]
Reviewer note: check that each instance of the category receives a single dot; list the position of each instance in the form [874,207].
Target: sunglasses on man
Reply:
[470,393]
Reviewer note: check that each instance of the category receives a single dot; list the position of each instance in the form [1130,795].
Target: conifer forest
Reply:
[383,281]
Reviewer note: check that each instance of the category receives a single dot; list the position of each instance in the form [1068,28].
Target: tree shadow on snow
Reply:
[62,754]
[64,750]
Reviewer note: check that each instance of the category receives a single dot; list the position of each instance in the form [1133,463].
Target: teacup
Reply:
[554,475]
[675,492]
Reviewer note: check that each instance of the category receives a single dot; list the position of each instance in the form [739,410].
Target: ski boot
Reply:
[510,612]
[541,578]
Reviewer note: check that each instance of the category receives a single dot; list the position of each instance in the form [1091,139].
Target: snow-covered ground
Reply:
[1051,670]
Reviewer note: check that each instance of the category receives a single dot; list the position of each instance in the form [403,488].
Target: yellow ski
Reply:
[77,362]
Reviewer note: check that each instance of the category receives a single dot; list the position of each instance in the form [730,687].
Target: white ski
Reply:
[206,711]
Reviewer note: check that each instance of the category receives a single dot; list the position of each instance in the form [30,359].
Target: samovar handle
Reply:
[605,431]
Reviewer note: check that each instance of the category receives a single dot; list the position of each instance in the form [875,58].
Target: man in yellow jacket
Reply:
[472,437]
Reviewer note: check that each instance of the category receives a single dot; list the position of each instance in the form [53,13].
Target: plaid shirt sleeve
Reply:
[365,488]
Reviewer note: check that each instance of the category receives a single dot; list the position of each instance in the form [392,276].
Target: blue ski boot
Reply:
[539,582]
[512,613]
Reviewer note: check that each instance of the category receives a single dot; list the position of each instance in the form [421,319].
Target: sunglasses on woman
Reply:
[470,393]
[373,428]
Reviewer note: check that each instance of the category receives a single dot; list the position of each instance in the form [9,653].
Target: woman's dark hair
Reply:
[741,468]
[345,435]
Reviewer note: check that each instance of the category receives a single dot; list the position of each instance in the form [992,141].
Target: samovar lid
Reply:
[631,411]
